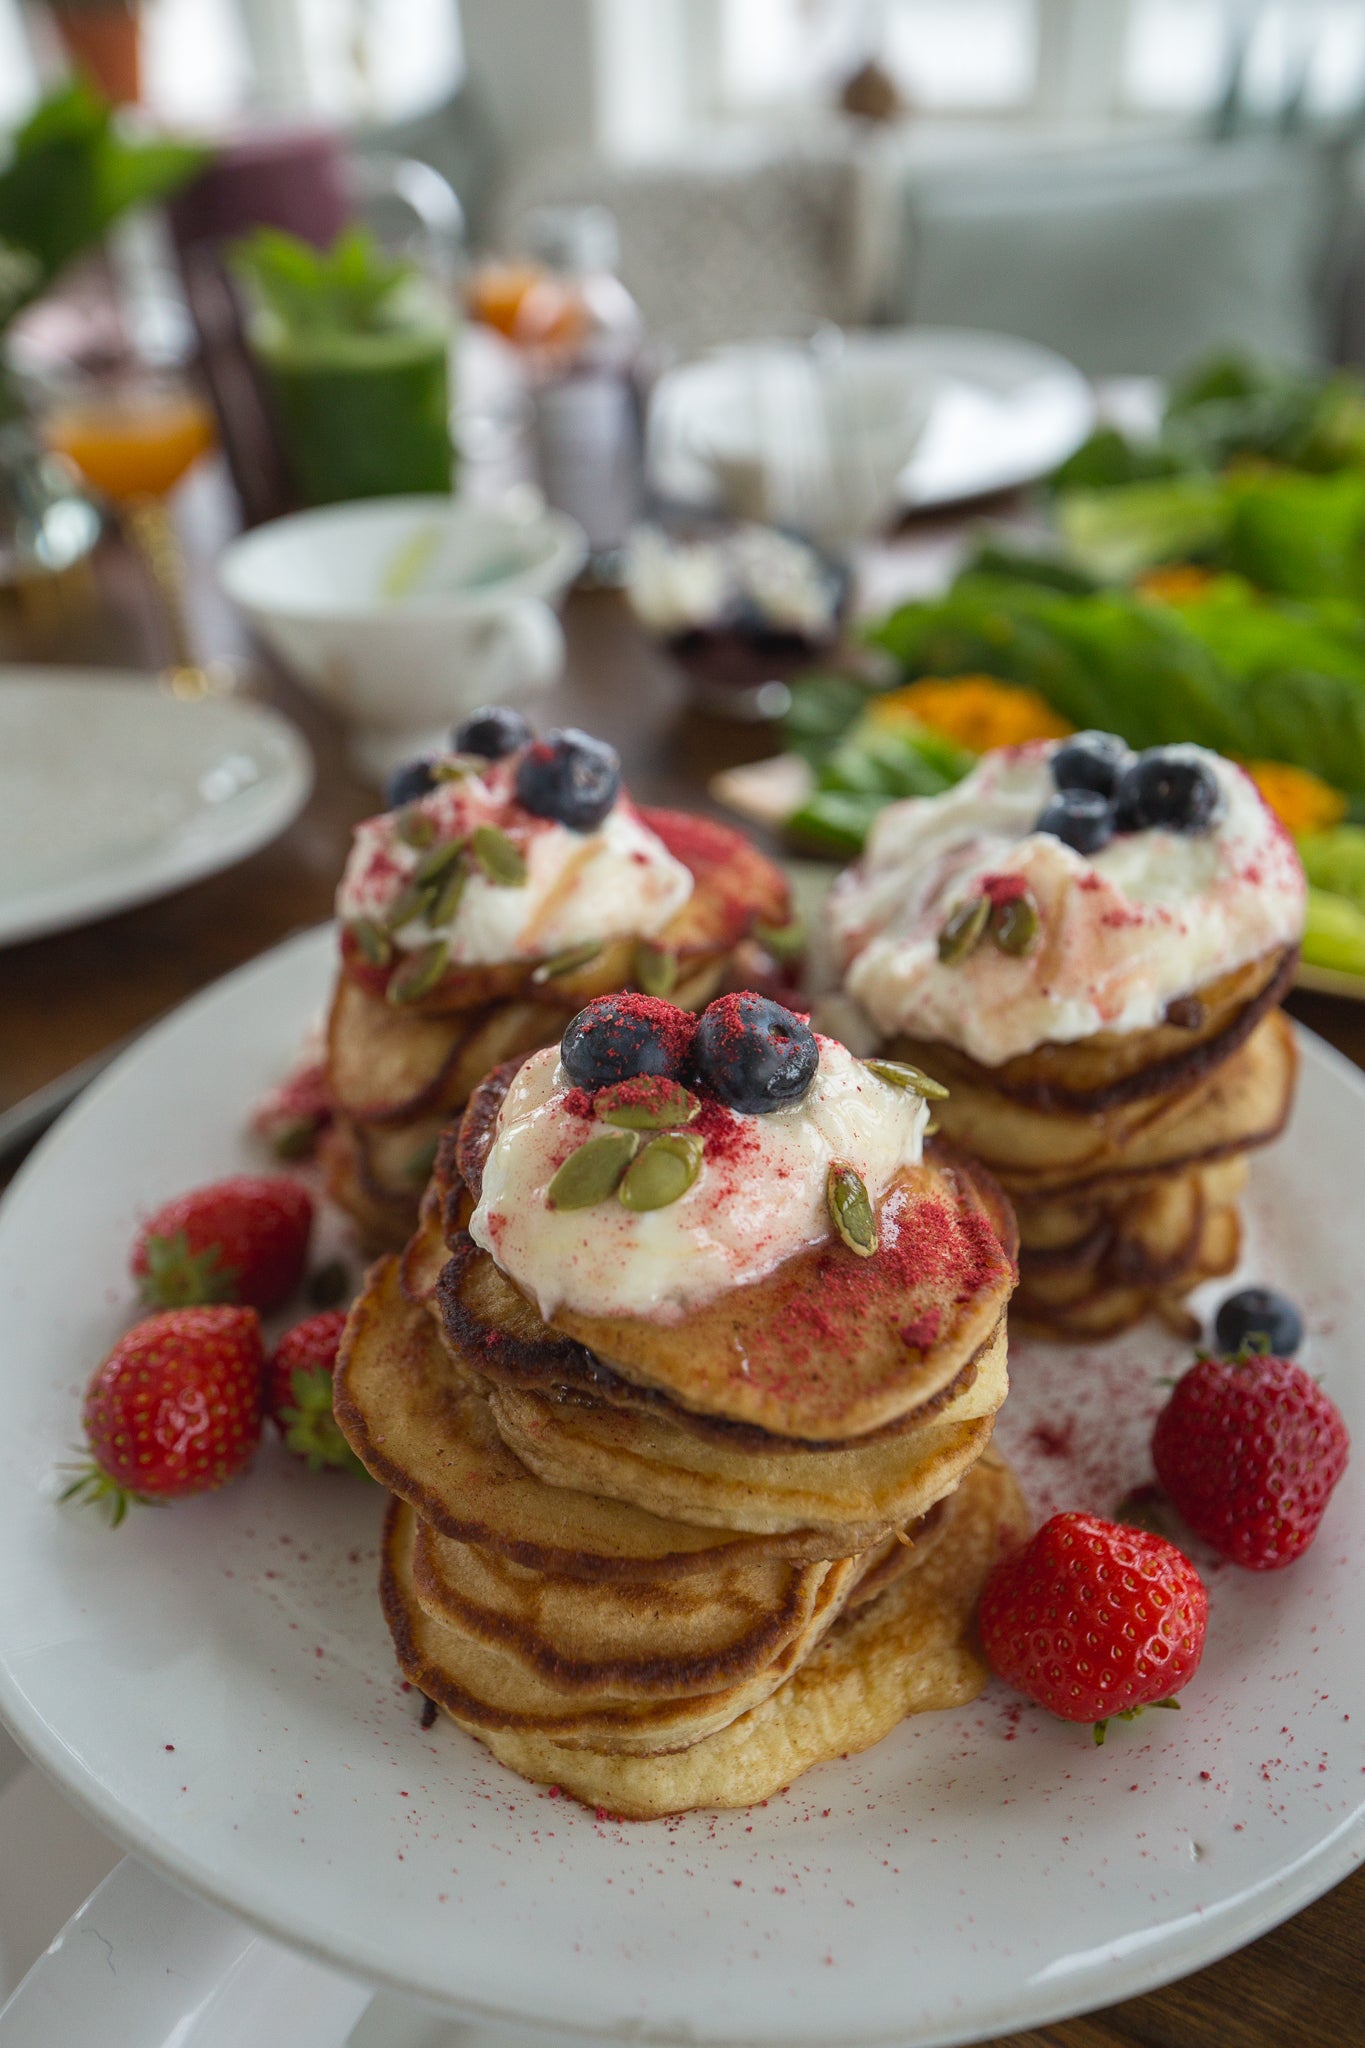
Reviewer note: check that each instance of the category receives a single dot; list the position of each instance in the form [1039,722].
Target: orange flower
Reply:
[978,712]
[1175,583]
[1301,801]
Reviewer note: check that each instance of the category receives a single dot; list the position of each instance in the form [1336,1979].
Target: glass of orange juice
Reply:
[134,431]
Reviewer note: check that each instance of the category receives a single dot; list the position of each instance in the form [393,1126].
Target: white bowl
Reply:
[404,614]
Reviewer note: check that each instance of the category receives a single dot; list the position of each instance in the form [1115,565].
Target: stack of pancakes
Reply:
[666,1565]
[1124,1153]
[397,1073]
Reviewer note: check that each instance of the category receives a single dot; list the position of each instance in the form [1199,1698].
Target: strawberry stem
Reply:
[1130,1714]
[93,1487]
[311,1430]
[176,1277]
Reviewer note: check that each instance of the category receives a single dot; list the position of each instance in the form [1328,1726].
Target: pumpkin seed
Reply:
[900,1074]
[419,974]
[434,866]
[372,942]
[500,860]
[455,767]
[785,942]
[964,931]
[655,970]
[566,962]
[1014,925]
[661,1173]
[850,1210]
[409,904]
[592,1173]
[649,1103]
[446,901]
[414,827]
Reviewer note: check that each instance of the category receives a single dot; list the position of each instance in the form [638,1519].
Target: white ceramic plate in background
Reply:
[215,1686]
[113,791]
[1001,413]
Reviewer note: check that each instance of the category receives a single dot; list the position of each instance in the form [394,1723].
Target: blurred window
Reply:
[1178,54]
[206,60]
[949,54]
[1089,59]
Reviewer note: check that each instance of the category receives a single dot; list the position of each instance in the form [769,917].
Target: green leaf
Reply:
[351,288]
[71,172]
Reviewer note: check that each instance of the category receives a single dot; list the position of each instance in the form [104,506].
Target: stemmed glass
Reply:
[133,430]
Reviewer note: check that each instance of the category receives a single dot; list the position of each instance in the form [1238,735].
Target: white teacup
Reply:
[404,614]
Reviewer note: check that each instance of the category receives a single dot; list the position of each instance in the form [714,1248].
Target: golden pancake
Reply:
[1089,1075]
[830,1346]
[652,1636]
[387,1066]
[425,1431]
[487,1688]
[913,1650]
[854,1494]
[498,1337]
[1240,1103]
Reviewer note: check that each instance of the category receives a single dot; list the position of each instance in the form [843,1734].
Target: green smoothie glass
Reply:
[354,354]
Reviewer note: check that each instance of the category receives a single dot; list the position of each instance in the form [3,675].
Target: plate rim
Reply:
[1198,1941]
[1045,360]
[66,907]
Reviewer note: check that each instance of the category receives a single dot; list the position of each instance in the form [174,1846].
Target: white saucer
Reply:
[113,791]
[214,1685]
[999,413]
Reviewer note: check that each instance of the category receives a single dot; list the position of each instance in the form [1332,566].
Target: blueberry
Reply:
[755,1055]
[409,782]
[617,1037]
[1259,1316]
[1080,818]
[570,777]
[1091,760]
[490,732]
[1164,787]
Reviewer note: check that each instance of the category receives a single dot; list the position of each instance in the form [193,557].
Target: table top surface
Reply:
[71,995]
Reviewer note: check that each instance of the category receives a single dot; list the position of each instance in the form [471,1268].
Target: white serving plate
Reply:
[114,791]
[998,413]
[214,1686]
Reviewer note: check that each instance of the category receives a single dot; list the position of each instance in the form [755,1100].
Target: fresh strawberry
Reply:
[1091,1618]
[174,1410]
[244,1239]
[298,1392]
[1249,1449]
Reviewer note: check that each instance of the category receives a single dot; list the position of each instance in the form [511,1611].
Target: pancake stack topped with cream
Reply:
[684,1391]
[512,880]
[1088,947]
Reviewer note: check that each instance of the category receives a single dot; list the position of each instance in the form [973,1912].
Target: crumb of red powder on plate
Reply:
[1053,1440]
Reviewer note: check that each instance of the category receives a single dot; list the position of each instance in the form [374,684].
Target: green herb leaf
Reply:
[501,860]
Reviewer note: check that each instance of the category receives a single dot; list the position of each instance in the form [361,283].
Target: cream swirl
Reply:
[1154,915]
[758,1198]
[617,881]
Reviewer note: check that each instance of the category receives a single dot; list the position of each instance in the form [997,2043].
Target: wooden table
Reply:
[1302,1986]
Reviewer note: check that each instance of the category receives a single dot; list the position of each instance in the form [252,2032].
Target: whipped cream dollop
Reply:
[617,881]
[758,1198]
[1154,915]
